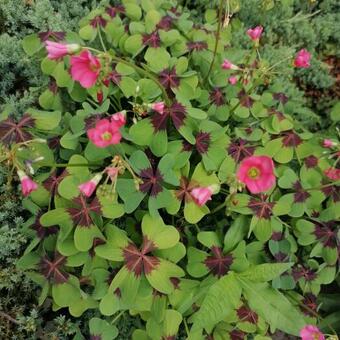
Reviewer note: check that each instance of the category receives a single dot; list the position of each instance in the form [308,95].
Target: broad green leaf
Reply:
[273,306]
[31,44]
[221,298]
[265,272]
[45,120]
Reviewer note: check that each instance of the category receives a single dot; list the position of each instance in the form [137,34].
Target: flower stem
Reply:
[66,165]
[117,317]
[219,207]
[219,25]
[101,38]
[146,73]
[279,62]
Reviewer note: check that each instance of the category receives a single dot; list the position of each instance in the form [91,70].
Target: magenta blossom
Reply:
[228,65]
[58,50]
[257,173]
[232,80]
[328,143]
[105,133]
[112,172]
[255,33]
[302,59]
[158,107]
[119,119]
[85,68]
[310,332]
[332,173]
[90,186]
[201,195]
[27,184]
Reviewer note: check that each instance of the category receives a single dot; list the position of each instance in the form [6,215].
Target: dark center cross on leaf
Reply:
[202,142]
[184,192]
[218,263]
[300,194]
[152,39]
[81,213]
[12,132]
[217,97]
[152,181]
[327,232]
[239,150]
[176,112]
[137,260]
[260,207]
[169,79]
[51,268]
[246,314]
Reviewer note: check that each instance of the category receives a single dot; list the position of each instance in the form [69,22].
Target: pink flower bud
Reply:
[328,143]
[88,188]
[119,119]
[311,332]
[27,184]
[58,50]
[112,172]
[332,173]
[232,80]
[228,65]
[255,33]
[158,107]
[100,97]
[302,59]
[201,195]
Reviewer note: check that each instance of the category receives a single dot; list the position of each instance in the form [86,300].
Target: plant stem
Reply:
[101,38]
[219,25]
[66,165]
[219,207]
[147,74]
[117,317]
[186,326]
[278,63]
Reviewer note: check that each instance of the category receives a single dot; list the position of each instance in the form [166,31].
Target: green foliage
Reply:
[21,75]
[165,192]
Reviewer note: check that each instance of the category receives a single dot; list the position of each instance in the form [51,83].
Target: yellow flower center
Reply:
[316,335]
[253,173]
[106,135]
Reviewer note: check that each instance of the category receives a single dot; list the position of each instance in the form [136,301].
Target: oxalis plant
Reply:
[166,181]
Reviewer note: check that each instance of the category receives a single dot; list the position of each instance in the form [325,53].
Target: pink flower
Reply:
[119,119]
[201,195]
[310,332]
[257,173]
[255,33]
[27,184]
[105,133]
[232,80]
[328,143]
[58,50]
[112,172]
[228,65]
[332,173]
[302,59]
[89,187]
[85,68]
[158,107]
